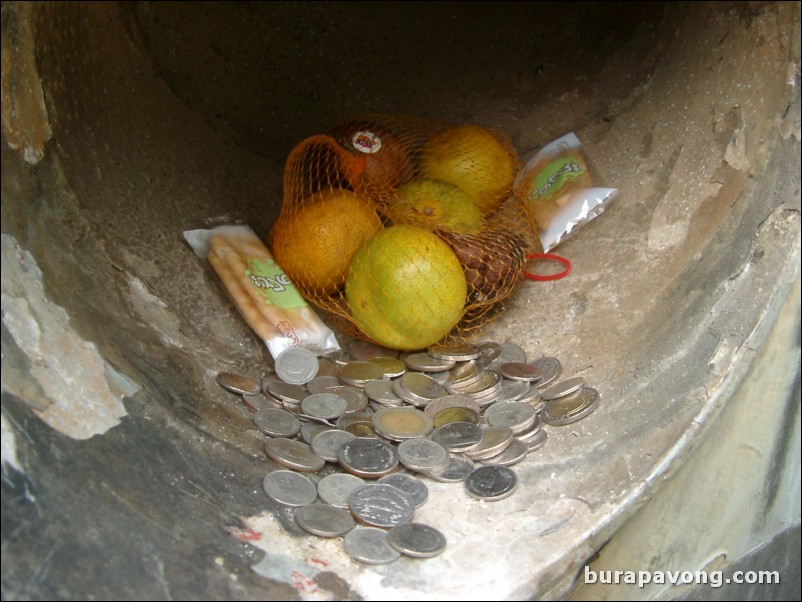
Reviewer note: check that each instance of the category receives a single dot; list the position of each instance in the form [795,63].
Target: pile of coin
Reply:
[453,414]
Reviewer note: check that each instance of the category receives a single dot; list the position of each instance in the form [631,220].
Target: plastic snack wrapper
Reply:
[558,191]
[261,291]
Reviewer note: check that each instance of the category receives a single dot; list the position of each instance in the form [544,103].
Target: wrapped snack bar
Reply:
[262,292]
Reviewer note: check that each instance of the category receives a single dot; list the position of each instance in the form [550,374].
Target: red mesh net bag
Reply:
[404,229]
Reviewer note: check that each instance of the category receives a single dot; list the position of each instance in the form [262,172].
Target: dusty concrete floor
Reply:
[166,117]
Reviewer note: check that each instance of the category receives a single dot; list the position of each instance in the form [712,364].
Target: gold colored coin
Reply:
[455,414]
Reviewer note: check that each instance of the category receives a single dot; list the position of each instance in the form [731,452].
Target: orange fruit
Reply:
[378,157]
[435,205]
[477,159]
[406,288]
[314,244]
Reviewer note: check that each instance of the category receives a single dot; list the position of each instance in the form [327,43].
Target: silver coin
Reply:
[417,540]
[413,487]
[464,375]
[491,396]
[519,371]
[287,392]
[297,365]
[355,398]
[440,378]
[538,441]
[455,353]
[510,352]
[550,369]
[382,391]
[236,383]
[417,387]
[424,362]
[277,422]
[293,454]
[327,444]
[344,421]
[267,380]
[514,414]
[458,436]
[450,401]
[514,453]
[529,432]
[491,483]
[381,505]
[488,382]
[399,424]
[310,430]
[375,406]
[457,470]
[324,405]
[309,418]
[289,488]
[319,384]
[363,351]
[324,520]
[390,366]
[494,440]
[259,401]
[370,545]
[515,389]
[358,373]
[488,353]
[570,408]
[562,388]
[368,457]
[335,488]
[422,454]
[532,397]
[292,408]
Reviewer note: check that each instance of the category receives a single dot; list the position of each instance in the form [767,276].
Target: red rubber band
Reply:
[544,277]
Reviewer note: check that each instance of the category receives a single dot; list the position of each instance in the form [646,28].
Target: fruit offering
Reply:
[434,205]
[405,230]
[315,244]
[476,159]
[492,260]
[406,288]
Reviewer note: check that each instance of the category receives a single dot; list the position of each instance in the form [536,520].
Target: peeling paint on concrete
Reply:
[9,446]
[24,116]
[68,369]
[154,312]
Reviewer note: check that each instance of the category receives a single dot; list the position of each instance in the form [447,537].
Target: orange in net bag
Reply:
[404,229]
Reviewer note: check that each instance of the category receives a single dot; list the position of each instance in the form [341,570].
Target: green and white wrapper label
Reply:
[581,207]
[274,285]
[552,179]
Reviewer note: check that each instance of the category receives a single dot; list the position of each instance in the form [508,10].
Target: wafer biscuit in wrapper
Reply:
[264,295]
[557,188]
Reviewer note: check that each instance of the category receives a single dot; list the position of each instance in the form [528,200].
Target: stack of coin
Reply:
[455,414]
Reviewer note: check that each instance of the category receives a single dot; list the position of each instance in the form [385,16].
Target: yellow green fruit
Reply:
[435,205]
[473,158]
[314,245]
[406,288]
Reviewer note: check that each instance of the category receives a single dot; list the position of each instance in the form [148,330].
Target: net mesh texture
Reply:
[405,230]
